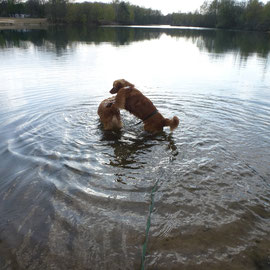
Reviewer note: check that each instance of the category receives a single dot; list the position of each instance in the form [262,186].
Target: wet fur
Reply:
[132,100]
[109,115]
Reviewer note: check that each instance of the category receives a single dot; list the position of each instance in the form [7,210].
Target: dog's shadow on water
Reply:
[133,148]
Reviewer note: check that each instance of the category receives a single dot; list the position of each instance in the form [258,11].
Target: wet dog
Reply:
[109,115]
[131,99]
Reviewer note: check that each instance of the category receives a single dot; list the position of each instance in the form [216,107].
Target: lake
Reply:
[73,196]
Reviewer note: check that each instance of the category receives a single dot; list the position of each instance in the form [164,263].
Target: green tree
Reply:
[226,14]
[265,23]
[210,11]
[56,10]
[253,14]
[35,8]
[122,13]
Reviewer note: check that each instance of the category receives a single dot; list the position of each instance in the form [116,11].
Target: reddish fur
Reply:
[131,99]
[109,115]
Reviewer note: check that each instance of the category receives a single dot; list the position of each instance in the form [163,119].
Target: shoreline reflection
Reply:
[60,39]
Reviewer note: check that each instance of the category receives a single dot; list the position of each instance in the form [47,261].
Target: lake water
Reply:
[73,196]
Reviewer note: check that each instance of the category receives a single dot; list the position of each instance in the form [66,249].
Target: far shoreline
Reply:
[10,23]
[22,23]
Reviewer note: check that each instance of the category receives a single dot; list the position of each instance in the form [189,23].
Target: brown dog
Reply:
[109,115]
[131,99]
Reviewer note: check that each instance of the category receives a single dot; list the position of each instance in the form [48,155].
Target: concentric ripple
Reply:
[92,184]
[73,196]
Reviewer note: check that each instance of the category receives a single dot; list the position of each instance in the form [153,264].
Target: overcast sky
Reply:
[166,6]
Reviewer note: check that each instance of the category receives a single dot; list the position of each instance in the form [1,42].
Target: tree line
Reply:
[63,11]
[229,14]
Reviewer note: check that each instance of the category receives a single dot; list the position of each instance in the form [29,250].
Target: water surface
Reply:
[73,196]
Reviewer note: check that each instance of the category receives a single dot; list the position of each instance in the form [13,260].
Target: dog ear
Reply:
[120,84]
[126,83]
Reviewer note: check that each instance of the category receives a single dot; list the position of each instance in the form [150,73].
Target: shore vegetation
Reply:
[226,14]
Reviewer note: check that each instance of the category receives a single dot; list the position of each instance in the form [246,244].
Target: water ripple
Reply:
[88,190]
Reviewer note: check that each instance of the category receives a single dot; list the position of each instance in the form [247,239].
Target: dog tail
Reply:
[172,123]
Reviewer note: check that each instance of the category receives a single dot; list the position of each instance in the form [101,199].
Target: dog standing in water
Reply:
[131,99]
[109,115]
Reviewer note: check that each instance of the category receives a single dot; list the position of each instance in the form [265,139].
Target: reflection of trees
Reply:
[62,37]
[214,41]
[222,41]
[21,38]
[246,43]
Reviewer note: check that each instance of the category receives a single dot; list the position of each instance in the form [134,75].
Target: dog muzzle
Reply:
[113,91]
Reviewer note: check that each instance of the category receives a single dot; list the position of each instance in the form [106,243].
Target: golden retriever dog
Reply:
[109,115]
[131,99]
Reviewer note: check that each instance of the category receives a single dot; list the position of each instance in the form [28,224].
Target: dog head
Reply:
[118,84]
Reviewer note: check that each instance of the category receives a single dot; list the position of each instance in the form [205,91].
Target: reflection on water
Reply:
[214,41]
[73,196]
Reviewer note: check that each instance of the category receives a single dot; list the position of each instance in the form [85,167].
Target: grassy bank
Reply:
[22,23]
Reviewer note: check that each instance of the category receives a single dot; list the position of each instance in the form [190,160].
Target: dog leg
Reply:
[120,102]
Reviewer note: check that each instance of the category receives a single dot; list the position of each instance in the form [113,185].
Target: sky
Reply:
[167,6]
